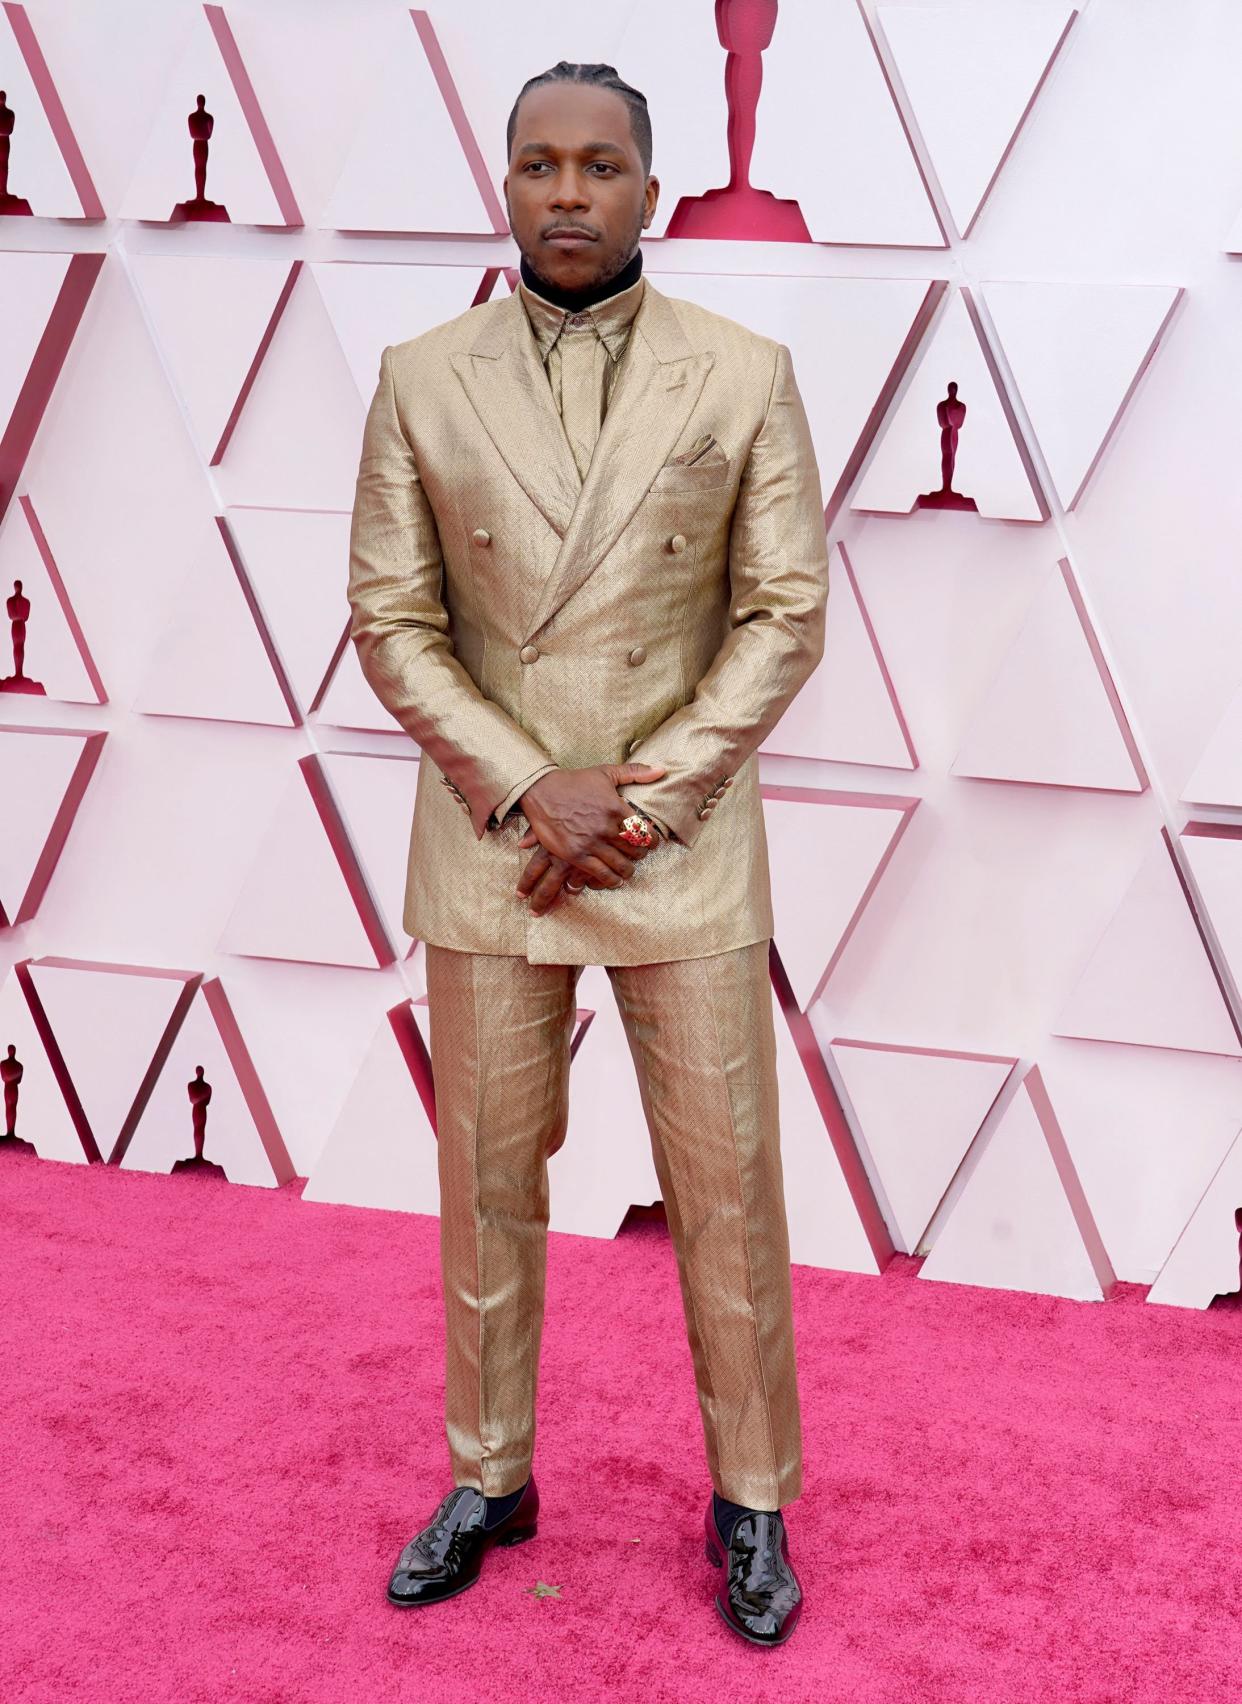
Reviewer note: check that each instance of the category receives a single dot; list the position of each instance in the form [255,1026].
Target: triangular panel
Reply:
[1149,979]
[44,773]
[208,1074]
[1077,351]
[918,1110]
[991,468]
[971,75]
[381,1152]
[847,712]
[1021,1221]
[305,898]
[1052,714]
[827,852]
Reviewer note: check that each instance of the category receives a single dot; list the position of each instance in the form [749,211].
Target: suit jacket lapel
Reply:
[659,383]
[508,388]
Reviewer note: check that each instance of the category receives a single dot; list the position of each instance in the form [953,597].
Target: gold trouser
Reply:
[701,1034]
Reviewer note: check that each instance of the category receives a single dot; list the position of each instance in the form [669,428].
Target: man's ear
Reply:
[653,195]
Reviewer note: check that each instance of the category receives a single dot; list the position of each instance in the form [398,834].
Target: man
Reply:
[588,572]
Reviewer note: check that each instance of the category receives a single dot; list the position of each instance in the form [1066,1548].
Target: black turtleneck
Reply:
[576,300]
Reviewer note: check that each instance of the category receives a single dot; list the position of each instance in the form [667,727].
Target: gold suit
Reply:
[576,540]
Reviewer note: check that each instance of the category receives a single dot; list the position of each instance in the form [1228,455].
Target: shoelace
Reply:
[441,1541]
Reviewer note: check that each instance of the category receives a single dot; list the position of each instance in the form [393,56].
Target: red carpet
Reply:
[222,1421]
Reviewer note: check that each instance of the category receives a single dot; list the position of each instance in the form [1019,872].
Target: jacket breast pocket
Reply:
[693,476]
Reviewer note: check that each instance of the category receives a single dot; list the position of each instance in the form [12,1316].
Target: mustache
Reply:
[561,225]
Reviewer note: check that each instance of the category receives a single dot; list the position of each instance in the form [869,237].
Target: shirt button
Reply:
[677,543]
[579,319]
[638,654]
[480,535]
[528,653]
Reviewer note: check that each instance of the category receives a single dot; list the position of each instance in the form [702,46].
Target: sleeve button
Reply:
[704,814]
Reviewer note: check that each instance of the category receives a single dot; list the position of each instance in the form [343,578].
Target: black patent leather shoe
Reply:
[447,1555]
[762,1599]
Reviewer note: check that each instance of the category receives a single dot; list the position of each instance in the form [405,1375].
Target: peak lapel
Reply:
[659,383]
[509,391]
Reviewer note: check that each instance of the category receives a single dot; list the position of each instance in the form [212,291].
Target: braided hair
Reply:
[601,77]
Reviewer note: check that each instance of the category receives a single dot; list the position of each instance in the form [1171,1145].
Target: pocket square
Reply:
[698,449]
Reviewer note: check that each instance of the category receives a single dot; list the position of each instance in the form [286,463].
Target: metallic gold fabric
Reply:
[513,616]
[598,337]
[704,1047]
[602,332]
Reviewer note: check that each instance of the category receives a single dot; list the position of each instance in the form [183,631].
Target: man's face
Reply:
[577,196]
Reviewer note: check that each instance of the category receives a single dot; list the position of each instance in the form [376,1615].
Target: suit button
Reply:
[444,780]
[480,535]
[638,654]
[704,814]
[464,804]
[528,653]
[710,805]
[677,543]
[728,781]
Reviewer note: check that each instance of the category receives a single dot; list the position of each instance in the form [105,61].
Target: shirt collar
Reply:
[611,318]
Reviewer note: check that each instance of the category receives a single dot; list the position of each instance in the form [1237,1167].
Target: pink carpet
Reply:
[222,1421]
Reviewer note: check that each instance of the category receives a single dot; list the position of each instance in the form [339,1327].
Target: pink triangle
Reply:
[917,1110]
[293,558]
[827,852]
[57,657]
[1052,715]
[305,898]
[1149,979]
[833,1215]
[35,1108]
[112,1025]
[847,712]
[375,795]
[240,1132]
[216,659]
[44,773]
[1021,1220]
[1206,1260]
[381,1152]
[214,319]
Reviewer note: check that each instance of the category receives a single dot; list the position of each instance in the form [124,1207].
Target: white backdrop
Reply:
[1005,816]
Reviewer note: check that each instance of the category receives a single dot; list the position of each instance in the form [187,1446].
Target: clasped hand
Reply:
[575,816]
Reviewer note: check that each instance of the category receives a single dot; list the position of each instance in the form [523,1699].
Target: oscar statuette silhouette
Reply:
[199,1091]
[17,608]
[11,1071]
[738,210]
[8,203]
[201,124]
[951,414]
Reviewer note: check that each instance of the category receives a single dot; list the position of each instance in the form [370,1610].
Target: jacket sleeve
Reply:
[778,574]
[399,624]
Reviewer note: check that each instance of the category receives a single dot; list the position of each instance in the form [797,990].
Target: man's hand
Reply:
[575,816]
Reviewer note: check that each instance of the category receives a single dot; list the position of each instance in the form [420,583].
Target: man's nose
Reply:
[570,190]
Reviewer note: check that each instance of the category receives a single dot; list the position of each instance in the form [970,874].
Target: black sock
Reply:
[500,1508]
[727,1514]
